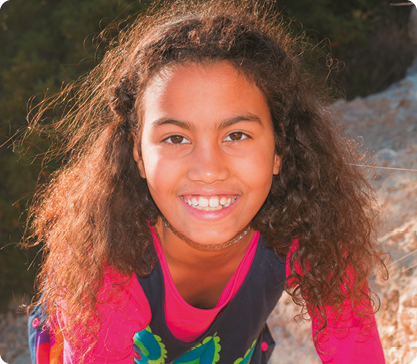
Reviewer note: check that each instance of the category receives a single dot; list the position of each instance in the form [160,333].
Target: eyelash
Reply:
[244,136]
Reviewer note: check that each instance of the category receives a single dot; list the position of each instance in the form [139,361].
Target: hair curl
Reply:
[85,215]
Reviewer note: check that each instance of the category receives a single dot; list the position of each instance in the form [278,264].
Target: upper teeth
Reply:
[210,203]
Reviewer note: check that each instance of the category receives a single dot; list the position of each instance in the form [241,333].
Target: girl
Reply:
[203,179]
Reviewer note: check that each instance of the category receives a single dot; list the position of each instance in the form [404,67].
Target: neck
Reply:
[179,252]
[207,247]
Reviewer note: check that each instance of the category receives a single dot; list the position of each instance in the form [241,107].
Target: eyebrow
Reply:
[163,121]
[249,118]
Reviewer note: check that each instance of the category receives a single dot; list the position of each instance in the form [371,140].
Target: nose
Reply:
[208,165]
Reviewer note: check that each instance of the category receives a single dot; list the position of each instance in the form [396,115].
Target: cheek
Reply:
[262,181]
[151,164]
[154,172]
[257,172]
[161,173]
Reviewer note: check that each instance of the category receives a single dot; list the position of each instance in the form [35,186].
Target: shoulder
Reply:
[122,295]
[123,310]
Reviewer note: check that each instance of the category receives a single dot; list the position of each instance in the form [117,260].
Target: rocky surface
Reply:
[13,338]
[386,125]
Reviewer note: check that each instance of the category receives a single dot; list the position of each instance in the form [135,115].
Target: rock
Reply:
[384,125]
[385,155]
[14,347]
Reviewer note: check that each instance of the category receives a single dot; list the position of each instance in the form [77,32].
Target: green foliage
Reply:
[368,37]
[45,43]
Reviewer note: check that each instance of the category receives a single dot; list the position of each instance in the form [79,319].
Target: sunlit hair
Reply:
[94,211]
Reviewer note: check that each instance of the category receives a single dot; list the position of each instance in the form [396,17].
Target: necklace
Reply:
[226,244]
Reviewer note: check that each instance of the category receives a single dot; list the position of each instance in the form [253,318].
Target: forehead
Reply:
[202,92]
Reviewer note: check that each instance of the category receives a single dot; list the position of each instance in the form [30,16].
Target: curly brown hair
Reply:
[85,216]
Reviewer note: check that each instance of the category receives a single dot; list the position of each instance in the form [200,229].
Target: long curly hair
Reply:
[93,213]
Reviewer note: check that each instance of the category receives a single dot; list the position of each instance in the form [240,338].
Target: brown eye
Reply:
[236,136]
[176,139]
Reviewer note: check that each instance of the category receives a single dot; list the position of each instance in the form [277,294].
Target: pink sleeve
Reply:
[351,342]
[124,314]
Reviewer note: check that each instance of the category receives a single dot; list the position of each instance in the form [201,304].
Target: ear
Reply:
[137,157]
[277,165]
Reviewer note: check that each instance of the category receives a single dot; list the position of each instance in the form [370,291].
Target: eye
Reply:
[236,136]
[176,139]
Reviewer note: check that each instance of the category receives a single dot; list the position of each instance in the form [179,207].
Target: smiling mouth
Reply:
[212,203]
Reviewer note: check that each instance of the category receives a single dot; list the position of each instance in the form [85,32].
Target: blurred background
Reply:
[44,44]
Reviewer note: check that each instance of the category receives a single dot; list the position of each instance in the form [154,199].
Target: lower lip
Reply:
[210,215]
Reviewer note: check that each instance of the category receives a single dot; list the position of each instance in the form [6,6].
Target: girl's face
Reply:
[207,149]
